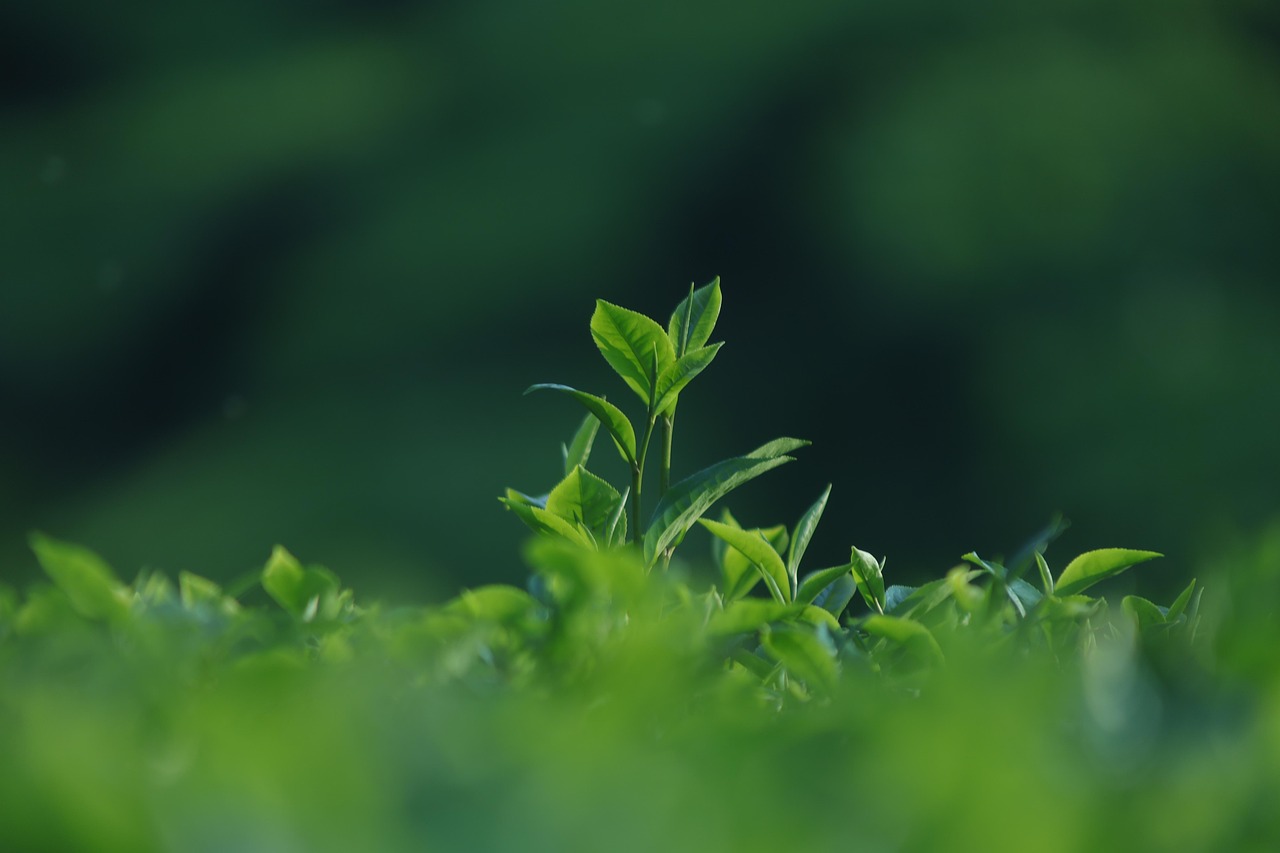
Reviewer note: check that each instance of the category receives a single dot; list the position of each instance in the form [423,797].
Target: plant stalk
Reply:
[668,429]
[637,477]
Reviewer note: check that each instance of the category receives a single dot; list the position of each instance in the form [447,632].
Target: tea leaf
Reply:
[616,530]
[89,583]
[1180,603]
[680,373]
[804,532]
[815,582]
[495,603]
[615,422]
[737,571]
[748,614]
[803,654]
[1094,566]
[1046,577]
[631,342]
[1144,612]
[578,451]
[686,501]
[543,521]
[753,546]
[869,574]
[695,317]
[583,498]
[836,597]
[906,632]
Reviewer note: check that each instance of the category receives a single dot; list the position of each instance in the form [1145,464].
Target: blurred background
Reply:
[279,272]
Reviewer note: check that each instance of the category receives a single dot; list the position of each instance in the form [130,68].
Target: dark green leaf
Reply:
[836,597]
[1180,603]
[686,501]
[615,422]
[815,582]
[1094,566]
[1027,594]
[1146,613]
[631,342]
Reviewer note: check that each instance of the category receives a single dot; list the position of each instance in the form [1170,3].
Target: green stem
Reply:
[637,477]
[668,428]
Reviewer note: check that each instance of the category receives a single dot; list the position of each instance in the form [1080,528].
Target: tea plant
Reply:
[796,637]
[616,704]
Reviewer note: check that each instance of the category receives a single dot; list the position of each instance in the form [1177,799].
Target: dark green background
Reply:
[278,272]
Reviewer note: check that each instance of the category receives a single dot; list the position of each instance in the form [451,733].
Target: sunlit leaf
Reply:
[1094,566]
[686,501]
[583,498]
[631,342]
[578,450]
[694,319]
[804,532]
[680,373]
[614,421]
[868,572]
[546,522]
[753,546]
[89,583]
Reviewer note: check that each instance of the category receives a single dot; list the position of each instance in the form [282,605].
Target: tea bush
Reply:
[621,702]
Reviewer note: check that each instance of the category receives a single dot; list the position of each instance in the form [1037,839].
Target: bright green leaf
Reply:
[748,614]
[578,451]
[680,373]
[89,583]
[737,572]
[753,546]
[614,421]
[695,317]
[1046,577]
[546,522]
[631,343]
[1094,566]
[284,580]
[686,501]
[804,532]
[583,498]
[803,654]
[906,632]
[869,574]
